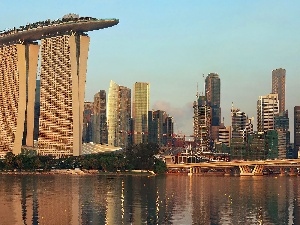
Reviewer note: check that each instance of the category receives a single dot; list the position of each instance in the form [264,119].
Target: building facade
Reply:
[278,86]
[118,115]
[140,108]
[100,133]
[282,128]
[63,60]
[239,121]
[297,129]
[87,130]
[63,75]
[18,69]
[267,108]
[202,122]
[225,134]
[213,97]
[160,128]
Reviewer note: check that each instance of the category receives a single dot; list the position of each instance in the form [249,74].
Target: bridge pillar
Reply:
[282,171]
[292,171]
[227,171]
[190,171]
[258,170]
[245,171]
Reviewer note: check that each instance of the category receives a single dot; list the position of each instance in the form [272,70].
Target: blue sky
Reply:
[170,44]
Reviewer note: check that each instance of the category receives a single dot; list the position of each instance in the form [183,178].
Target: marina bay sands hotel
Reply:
[57,51]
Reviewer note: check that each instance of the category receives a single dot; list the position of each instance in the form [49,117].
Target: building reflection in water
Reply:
[171,199]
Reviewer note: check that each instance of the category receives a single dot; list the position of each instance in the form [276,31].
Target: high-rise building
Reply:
[241,125]
[63,61]
[267,108]
[213,97]
[168,131]
[87,130]
[278,86]
[297,129]
[37,110]
[239,121]
[160,128]
[100,133]
[18,68]
[62,94]
[118,115]
[225,134]
[202,122]
[140,108]
[282,128]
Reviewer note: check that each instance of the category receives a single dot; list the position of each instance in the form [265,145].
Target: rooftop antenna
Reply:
[197,95]
[203,84]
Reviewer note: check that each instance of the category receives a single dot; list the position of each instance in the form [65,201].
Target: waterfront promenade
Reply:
[241,167]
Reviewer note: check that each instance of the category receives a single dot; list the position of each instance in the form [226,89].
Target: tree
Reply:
[142,156]
[9,161]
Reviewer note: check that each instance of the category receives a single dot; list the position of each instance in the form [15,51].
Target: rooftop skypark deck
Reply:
[36,31]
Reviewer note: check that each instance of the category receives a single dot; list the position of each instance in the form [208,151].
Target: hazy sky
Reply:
[171,43]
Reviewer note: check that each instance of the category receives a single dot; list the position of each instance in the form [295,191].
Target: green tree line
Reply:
[135,157]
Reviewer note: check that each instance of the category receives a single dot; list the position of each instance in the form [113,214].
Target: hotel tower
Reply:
[62,54]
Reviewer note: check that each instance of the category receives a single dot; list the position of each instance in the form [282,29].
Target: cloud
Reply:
[183,116]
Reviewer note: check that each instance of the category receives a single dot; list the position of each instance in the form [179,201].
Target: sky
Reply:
[172,43]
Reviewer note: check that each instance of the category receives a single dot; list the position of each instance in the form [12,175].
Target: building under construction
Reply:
[202,121]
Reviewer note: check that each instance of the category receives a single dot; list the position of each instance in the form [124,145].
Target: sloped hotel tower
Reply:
[63,65]
[18,66]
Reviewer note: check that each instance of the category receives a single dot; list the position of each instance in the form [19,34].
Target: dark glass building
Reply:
[100,133]
[297,129]
[87,130]
[212,94]
[281,122]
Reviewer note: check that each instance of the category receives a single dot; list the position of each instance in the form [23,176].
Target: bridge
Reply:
[243,168]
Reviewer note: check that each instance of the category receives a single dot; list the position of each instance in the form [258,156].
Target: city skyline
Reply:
[170,46]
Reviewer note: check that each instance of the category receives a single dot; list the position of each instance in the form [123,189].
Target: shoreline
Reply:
[78,172]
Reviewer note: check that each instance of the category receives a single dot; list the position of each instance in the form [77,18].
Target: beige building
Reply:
[118,114]
[63,75]
[18,68]
[267,108]
[63,59]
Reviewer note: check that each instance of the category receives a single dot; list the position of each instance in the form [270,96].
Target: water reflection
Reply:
[171,199]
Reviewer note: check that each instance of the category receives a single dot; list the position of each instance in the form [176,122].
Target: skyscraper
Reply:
[282,128]
[297,128]
[241,125]
[87,130]
[213,97]
[63,58]
[63,78]
[267,108]
[156,126]
[100,133]
[202,122]
[18,68]
[225,134]
[118,114]
[37,110]
[278,86]
[140,108]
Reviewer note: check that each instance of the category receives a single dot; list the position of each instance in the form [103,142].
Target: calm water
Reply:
[170,199]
